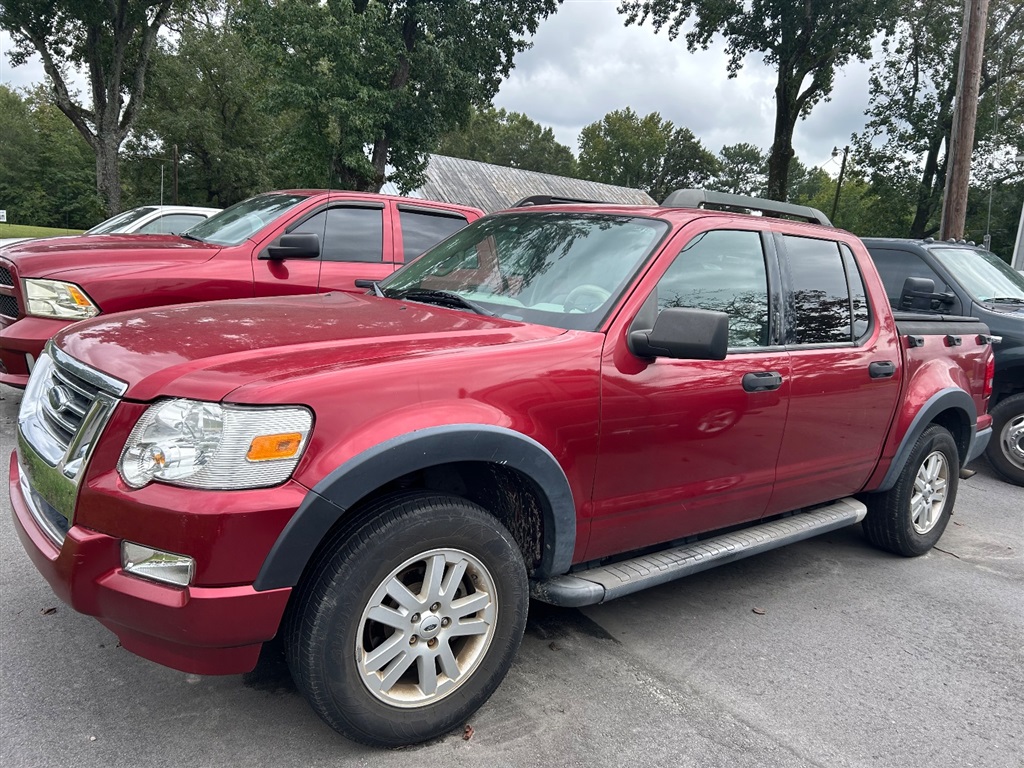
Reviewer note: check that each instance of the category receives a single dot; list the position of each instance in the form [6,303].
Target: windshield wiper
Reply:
[191,237]
[443,298]
[1005,300]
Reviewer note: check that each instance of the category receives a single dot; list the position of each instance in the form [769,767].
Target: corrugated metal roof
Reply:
[494,187]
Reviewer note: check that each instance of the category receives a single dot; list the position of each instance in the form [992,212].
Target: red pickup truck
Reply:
[570,402]
[289,242]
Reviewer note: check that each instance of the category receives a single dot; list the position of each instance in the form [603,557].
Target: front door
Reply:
[686,445]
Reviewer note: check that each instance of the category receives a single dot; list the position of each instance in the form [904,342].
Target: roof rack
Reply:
[554,200]
[702,198]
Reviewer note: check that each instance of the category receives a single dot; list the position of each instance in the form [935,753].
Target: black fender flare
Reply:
[359,476]
[943,400]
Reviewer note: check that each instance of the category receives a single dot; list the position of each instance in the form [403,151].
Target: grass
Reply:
[23,230]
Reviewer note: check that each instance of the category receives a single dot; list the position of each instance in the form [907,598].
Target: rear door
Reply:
[846,375]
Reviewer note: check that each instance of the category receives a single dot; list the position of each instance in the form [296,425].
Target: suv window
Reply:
[347,233]
[722,270]
[422,230]
[858,294]
[819,303]
[896,266]
[171,224]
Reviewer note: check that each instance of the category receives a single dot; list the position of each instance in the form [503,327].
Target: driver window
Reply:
[722,270]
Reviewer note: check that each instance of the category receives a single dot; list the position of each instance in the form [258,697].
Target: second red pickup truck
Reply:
[279,243]
[572,402]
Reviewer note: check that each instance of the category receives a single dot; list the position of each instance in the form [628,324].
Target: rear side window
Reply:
[819,303]
[347,233]
[722,270]
[858,294]
[422,230]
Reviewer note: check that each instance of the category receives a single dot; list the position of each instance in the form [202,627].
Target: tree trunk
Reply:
[786,113]
[108,173]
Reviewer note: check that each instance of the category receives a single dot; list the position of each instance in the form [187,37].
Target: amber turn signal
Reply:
[269,447]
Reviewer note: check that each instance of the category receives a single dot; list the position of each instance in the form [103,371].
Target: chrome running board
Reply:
[606,582]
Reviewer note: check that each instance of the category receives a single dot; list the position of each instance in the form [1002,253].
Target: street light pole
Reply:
[839,181]
[1017,262]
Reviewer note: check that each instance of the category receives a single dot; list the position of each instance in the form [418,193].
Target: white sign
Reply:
[3,215]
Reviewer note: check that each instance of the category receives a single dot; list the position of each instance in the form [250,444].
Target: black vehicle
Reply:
[970,281]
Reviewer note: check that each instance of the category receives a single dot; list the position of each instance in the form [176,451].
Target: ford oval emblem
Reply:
[59,398]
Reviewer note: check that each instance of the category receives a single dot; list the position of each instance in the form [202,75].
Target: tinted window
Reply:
[858,295]
[722,270]
[896,266]
[171,224]
[347,234]
[819,302]
[422,230]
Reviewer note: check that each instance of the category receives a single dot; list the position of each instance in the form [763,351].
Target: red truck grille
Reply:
[8,301]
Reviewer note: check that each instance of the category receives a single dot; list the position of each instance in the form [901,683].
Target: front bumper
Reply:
[202,630]
[21,343]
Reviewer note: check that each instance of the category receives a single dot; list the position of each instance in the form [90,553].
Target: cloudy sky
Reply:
[585,63]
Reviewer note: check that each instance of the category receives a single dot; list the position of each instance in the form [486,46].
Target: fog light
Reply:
[154,564]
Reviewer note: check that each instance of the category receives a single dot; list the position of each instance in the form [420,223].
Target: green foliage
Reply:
[204,96]
[389,75]
[647,153]
[742,170]
[807,41]
[511,139]
[903,148]
[113,42]
[47,173]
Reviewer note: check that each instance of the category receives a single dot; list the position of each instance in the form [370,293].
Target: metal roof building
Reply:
[495,187]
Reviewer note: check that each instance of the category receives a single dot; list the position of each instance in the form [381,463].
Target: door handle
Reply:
[882,369]
[762,381]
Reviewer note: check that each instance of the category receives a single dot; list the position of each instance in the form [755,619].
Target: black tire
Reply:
[334,645]
[1005,450]
[902,520]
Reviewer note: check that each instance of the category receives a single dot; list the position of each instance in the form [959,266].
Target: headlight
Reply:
[208,445]
[55,298]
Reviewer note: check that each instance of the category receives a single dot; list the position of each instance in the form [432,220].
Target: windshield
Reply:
[552,268]
[983,274]
[121,221]
[233,225]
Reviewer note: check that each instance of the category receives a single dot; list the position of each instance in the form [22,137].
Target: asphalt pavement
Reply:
[824,653]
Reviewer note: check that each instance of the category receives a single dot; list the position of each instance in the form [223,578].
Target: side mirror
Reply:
[297,246]
[919,294]
[684,334]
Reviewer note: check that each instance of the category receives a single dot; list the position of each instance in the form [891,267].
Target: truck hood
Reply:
[207,350]
[59,256]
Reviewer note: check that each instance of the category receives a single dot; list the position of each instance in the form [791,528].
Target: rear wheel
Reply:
[1005,450]
[909,518]
[409,621]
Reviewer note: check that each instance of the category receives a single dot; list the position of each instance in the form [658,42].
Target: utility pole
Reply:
[961,142]
[839,181]
[175,174]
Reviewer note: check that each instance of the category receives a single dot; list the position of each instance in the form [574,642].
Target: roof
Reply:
[496,187]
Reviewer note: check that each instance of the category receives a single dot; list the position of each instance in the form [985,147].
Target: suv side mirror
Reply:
[296,246]
[919,294]
[684,334]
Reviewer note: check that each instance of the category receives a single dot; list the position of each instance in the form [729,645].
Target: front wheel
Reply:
[1005,450]
[909,518]
[409,621]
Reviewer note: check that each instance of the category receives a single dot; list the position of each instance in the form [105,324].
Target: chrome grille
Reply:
[66,400]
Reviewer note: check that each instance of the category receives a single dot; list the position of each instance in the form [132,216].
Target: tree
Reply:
[742,170]
[48,176]
[904,146]
[205,97]
[511,139]
[392,76]
[113,41]
[806,40]
[647,153]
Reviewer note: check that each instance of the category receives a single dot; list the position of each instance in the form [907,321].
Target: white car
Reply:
[153,220]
